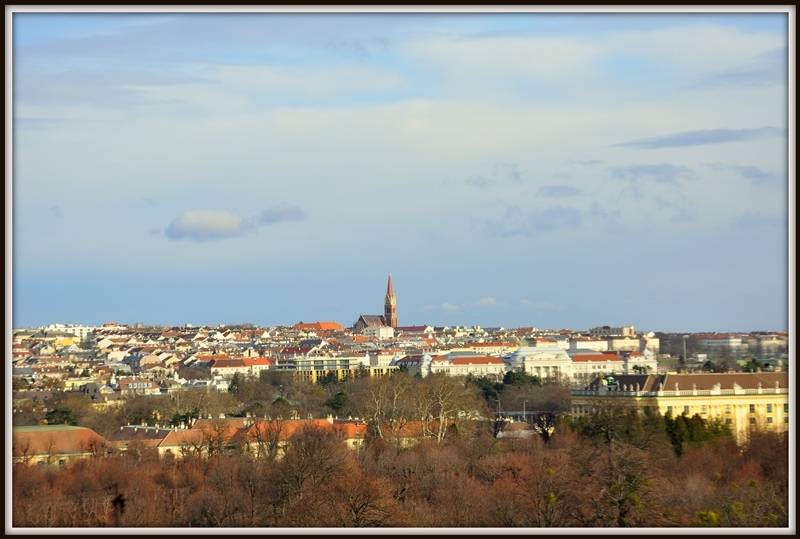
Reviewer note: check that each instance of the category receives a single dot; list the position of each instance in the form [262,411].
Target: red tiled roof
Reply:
[477,360]
[54,440]
[329,326]
[595,357]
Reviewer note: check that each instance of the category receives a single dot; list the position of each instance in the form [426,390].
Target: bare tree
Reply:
[312,456]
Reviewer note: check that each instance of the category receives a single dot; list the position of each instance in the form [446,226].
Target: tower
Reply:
[390,306]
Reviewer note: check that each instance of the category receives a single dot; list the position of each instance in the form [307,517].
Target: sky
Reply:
[526,169]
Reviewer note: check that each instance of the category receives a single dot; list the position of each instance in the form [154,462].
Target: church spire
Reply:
[390,306]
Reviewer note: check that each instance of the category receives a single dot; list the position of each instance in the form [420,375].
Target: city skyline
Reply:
[510,169]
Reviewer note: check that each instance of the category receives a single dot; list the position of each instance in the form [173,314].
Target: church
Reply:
[389,317]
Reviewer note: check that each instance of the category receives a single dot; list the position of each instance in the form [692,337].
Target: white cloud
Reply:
[205,225]
[488,301]
[542,305]
[447,307]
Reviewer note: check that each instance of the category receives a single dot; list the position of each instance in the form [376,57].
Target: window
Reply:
[785,419]
[752,408]
[769,420]
[703,409]
[769,408]
[728,421]
[686,410]
[752,420]
[669,409]
[62,463]
[727,408]
[786,408]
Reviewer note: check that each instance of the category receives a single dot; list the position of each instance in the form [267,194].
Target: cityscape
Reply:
[502,270]
[85,392]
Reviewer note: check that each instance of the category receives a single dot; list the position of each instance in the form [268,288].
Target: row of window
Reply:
[704,410]
[769,420]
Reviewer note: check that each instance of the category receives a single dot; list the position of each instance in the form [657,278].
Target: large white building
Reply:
[587,366]
[464,365]
[548,363]
[717,344]
[79,331]
[381,333]
[585,343]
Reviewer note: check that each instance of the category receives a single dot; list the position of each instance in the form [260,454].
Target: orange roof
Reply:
[54,440]
[286,428]
[477,360]
[595,357]
[330,326]
[225,422]
[250,361]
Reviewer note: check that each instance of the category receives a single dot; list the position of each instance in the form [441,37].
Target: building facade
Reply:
[743,401]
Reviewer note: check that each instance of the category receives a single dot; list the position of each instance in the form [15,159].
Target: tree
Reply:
[520,379]
[61,416]
[385,402]
[235,385]
[312,456]
[445,401]
[339,401]
[267,436]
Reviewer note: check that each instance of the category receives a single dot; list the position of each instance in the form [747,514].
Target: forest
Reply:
[614,468]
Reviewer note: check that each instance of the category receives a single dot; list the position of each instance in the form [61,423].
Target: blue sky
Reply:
[509,169]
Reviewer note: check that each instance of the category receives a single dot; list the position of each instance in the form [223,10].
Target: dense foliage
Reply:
[612,468]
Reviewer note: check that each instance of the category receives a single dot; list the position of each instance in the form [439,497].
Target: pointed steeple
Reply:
[390,306]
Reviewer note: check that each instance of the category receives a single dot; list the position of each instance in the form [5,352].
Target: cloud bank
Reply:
[558,191]
[661,173]
[517,222]
[703,136]
[207,225]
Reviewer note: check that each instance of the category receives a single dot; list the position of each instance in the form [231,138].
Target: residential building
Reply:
[381,333]
[51,445]
[464,365]
[608,331]
[587,366]
[585,343]
[744,401]
[312,368]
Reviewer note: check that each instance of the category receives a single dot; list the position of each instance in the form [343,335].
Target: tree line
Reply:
[612,468]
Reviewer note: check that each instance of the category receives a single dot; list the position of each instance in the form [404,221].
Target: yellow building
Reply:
[744,401]
[312,368]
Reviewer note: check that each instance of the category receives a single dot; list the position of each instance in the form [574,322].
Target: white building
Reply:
[414,364]
[463,365]
[548,363]
[79,331]
[587,366]
[381,333]
[624,343]
[585,343]
[718,344]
